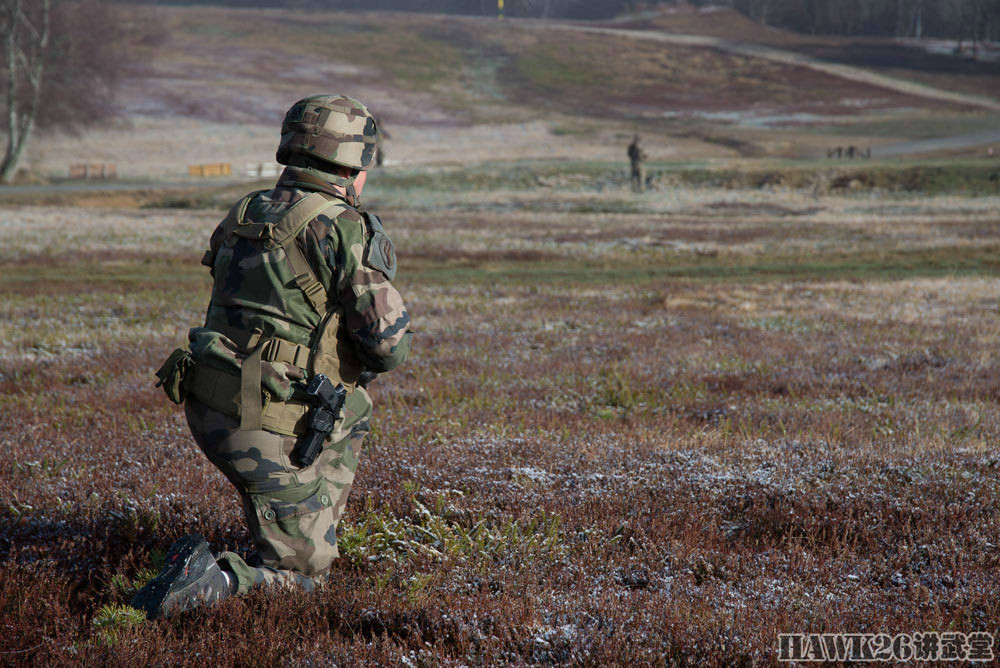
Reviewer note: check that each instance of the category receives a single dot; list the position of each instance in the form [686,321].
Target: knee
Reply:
[297,528]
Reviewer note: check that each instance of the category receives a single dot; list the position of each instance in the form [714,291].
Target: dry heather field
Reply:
[633,430]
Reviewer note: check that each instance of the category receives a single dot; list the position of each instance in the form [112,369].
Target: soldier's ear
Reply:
[359,181]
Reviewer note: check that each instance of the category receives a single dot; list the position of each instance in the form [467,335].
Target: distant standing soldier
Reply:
[637,156]
[383,134]
[302,316]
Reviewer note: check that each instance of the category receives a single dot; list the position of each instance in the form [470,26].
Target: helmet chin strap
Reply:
[345,182]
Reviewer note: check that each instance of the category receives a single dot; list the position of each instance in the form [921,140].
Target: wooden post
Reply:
[500,9]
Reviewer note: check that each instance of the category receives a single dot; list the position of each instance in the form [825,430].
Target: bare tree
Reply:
[26,39]
[61,59]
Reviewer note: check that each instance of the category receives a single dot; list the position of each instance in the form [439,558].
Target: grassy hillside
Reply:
[457,90]
[929,62]
[525,64]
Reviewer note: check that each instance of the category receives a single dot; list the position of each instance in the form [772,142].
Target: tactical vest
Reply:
[330,352]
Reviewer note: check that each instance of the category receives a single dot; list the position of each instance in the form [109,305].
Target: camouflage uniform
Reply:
[264,335]
[637,156]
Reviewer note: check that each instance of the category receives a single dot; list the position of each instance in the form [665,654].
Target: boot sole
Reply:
[186,562]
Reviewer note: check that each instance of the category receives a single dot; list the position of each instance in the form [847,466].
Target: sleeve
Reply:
[374,313]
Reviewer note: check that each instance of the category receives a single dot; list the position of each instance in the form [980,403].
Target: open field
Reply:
[761,397]
[656,429]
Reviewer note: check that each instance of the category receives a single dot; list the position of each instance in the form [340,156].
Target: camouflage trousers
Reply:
[638,177]
[292,513]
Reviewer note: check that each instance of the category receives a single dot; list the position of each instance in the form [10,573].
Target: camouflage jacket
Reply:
[255,290]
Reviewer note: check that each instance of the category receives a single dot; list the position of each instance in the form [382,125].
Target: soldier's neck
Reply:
[311,178]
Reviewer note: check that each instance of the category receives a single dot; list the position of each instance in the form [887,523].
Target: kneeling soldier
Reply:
[302,315]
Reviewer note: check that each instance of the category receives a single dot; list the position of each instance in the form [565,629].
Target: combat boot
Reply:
[190,578]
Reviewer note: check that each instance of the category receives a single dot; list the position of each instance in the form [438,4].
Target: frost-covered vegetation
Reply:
[659,434]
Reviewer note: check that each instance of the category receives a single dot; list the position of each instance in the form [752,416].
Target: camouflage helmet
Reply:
[330,128]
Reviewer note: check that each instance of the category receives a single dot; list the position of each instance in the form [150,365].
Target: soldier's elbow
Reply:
[387,357]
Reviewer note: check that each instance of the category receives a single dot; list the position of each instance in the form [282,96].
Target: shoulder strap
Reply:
[235,216]
[276,229]
[229,223]
[300,213]
[287,231]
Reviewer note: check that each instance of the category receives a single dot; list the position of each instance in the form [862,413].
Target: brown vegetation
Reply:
[654,429]
[604,450]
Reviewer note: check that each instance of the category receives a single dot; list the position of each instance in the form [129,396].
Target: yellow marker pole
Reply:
[500,9]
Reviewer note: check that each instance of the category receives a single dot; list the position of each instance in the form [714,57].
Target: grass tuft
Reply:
[112,620]
[442,533]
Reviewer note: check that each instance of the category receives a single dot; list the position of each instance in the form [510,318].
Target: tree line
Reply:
[974,20]
[565,9]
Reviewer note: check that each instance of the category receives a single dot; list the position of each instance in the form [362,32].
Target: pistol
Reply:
[329,401]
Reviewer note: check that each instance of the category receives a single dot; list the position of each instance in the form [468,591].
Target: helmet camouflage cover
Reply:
[330,128]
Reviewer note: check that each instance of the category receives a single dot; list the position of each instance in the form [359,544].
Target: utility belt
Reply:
[228,393]
[222,391]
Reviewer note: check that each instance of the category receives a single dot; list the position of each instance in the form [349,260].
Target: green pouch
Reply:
[171,374]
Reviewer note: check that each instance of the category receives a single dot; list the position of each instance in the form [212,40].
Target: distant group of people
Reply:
[637,156]
[849,152]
